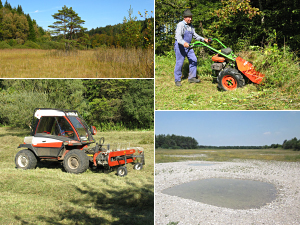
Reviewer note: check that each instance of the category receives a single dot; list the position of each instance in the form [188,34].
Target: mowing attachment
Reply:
[230,70]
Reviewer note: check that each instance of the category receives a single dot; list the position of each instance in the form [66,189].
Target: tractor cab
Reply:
[56,131]
[61,125]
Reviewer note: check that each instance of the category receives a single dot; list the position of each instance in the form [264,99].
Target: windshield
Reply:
[58,126]
[80,127]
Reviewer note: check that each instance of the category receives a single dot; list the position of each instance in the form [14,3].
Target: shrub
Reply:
[4,45]
[280,66]
[31,44]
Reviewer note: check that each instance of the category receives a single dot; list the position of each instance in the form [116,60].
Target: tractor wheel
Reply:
[25,159]
[76,161]
[138,166]
[230,79]
[122,171]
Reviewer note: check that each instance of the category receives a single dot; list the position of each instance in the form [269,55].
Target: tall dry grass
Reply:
[99,63]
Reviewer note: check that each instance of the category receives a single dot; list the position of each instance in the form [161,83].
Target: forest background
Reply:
[18,30]
[235,22]
[173,141]
[118,104]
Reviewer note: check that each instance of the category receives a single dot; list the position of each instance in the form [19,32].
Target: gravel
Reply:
[285,209]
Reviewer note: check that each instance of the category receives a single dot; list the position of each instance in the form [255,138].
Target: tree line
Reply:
[181,142]
[18,30]
[107,104]
[16,27]
[292,144]
[236,23]
[131,33]
[175,142]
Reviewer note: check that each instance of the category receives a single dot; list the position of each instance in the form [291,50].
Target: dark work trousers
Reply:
[182,52]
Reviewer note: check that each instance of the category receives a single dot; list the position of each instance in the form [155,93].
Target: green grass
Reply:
[172,155]
[279,92]
[48,195]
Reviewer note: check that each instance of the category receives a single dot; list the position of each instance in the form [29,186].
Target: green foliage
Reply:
[131,33]
[4,45]
[175,142]
[293,144]
[128,103]
[32,35]
[17,28]
[280,65]
[68,22]
[20,97]
[138,103]
[31,44]
[231,21]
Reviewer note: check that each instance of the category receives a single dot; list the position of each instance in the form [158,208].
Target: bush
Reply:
[31,44]
[4,45]
[12,42]
[280,66]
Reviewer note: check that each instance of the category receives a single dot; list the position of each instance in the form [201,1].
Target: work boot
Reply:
[194,80]
[178,83]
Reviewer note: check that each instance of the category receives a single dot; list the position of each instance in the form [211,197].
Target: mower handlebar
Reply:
[203,44]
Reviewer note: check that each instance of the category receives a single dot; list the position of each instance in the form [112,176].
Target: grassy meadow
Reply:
[99,63]
[49,195]
[172,155]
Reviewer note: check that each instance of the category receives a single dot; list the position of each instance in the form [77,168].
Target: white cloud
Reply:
[267,133]
[36,11]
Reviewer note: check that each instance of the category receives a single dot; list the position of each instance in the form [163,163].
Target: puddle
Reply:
[201,164]
[229,193]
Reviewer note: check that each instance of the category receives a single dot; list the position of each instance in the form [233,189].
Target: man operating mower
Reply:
[183,38]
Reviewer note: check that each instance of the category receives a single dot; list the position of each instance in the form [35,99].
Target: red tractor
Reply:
[62,135]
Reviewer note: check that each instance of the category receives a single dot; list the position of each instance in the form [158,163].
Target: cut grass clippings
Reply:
[49,195]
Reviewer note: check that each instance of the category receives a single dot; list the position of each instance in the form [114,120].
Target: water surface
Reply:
[229,193]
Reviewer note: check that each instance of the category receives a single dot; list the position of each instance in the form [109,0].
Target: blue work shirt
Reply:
[180,30]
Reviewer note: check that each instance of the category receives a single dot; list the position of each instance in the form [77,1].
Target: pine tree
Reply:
[20,10]
[32,35]
[67,22]
[7,5]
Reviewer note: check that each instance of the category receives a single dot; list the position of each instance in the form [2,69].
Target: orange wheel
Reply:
[229,82]
[230,79]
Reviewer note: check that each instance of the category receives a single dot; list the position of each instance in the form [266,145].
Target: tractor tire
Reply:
[25,159]
[230,79]
[122,171]
[138,166]
[76,161]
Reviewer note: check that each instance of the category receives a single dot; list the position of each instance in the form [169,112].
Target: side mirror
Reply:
[93,130]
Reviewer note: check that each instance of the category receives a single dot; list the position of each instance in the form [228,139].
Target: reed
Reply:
[99,63]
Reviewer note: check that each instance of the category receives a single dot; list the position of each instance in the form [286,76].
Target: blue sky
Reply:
[96,13]
[230,128]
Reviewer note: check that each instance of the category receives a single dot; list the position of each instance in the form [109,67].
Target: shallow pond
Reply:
[229,193]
